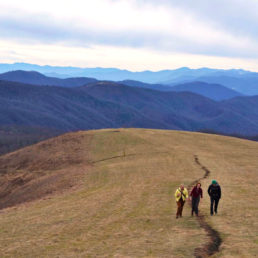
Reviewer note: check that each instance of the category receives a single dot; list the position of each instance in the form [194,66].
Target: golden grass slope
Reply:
[123,203]
[45,168]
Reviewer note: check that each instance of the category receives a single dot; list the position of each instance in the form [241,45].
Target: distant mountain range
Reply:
[66,109]
[36,78]
[213,91]
[160,87]
[239,80]
[112,105]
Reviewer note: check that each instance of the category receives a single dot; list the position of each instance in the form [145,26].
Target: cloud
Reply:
[135,59]
[238,17]
[200,27]
[123,23]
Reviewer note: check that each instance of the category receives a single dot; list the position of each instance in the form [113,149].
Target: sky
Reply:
[131,34]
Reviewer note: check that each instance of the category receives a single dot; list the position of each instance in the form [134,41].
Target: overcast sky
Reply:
[131,34]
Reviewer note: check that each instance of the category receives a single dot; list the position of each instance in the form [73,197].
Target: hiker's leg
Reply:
[182,206]
[180,211]
[193,204]
[178,208]
[196,205]
[216,205]
[212,202]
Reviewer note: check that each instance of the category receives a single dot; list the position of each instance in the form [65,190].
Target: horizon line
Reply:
[137,71]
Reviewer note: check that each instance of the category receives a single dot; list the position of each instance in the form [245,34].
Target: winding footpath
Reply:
[215,240]
[212,246]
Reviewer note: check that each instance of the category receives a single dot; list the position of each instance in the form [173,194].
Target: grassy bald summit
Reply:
[116,195]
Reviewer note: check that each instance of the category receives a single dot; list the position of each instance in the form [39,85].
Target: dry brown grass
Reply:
[45,168]
[126,208]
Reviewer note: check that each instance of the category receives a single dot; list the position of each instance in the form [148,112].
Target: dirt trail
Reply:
[128,155]
[215,240]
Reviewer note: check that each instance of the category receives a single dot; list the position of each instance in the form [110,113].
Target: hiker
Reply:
[181,195]
[214,192]
[196,194]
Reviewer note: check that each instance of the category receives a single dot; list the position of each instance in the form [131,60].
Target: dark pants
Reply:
[180,206]
[195,204]
[216,202]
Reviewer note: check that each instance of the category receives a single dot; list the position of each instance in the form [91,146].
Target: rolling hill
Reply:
[240,80]
[110,105]
[247,85]
[160,87]
[111,193]
[65,109]
[99,73]
[184,110]
[14,137]
[213,91]
[35,78]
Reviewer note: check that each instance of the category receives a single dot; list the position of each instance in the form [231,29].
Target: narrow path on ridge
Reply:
[215,240]
[212,246]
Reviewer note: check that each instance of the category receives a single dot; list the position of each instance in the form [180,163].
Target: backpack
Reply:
[214,191]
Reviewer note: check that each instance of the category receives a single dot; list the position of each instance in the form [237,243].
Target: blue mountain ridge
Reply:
[245,82]
[213,91]
[113,105]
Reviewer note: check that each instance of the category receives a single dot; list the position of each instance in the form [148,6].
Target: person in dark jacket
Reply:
[214,192]
[196,194]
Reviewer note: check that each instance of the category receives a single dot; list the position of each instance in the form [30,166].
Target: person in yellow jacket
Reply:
[181,195]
